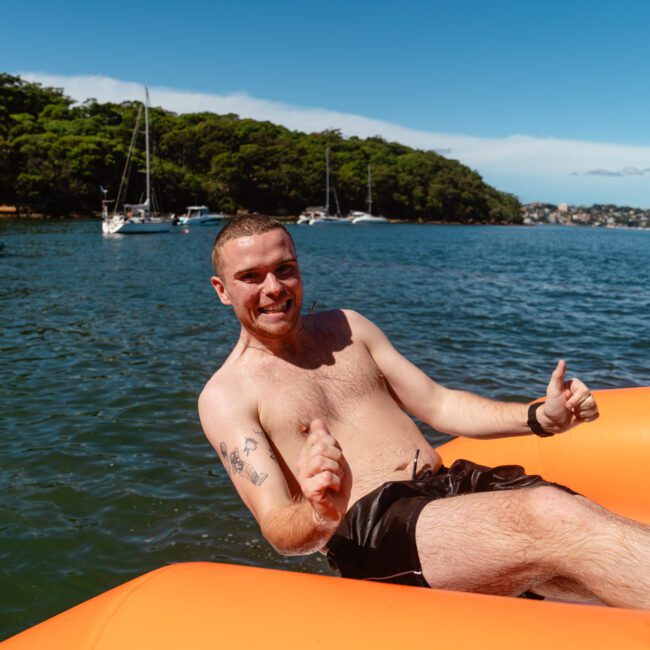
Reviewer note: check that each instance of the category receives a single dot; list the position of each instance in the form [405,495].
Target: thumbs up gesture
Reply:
[568,403]
[323,473]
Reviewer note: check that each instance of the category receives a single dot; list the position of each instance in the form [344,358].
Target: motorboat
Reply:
[200,215]
[135,218]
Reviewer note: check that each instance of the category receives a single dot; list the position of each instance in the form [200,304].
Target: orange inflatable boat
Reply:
[197,606]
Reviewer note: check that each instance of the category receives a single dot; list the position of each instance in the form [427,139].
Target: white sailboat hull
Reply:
[120,226]
[329,221]
[365,218]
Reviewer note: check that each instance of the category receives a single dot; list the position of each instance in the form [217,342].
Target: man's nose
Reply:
[271,284]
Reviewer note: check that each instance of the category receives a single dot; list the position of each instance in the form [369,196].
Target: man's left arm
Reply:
[567,404]
[462,413]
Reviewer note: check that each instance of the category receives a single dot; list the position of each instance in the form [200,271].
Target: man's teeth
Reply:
[275,308]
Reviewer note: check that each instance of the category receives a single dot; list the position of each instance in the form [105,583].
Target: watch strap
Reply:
[533,422]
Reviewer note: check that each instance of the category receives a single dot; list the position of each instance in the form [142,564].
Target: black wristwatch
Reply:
[533,423]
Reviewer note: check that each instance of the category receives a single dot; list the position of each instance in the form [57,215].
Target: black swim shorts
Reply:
[376,538]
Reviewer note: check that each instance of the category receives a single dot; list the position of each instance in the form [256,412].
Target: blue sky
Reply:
[547,100]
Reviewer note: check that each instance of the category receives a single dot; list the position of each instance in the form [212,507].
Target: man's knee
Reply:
[549,514]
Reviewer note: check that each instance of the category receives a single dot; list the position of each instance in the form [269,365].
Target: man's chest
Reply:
[292,396]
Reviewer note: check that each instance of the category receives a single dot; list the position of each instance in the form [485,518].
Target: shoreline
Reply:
[37,217]
[282,218]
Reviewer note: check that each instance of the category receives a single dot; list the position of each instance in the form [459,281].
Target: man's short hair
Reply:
[244,225]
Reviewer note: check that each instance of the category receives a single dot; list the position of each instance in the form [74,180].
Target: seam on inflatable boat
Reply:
[97,637]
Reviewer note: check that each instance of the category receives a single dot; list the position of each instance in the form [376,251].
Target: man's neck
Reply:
[286,346]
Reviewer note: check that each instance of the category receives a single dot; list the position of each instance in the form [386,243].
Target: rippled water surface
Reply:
[106,342]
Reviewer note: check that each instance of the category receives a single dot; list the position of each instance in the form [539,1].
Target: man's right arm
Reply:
[293,526]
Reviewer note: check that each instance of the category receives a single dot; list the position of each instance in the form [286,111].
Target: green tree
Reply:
[58,154]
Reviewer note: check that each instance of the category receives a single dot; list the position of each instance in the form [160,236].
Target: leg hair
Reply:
[512,541]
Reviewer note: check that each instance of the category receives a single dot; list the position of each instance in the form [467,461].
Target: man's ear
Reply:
[221,290]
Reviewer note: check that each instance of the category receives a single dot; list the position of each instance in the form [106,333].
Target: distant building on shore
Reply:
[608,216]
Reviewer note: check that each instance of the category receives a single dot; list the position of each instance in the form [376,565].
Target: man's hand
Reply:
[323,474]
[568,403]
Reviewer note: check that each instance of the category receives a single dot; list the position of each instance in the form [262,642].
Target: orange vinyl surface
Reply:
[605,460]
[205,605]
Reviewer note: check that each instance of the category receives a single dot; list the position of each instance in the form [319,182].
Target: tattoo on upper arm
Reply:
[249,446]
[235,464]
[245,469]
[253,444]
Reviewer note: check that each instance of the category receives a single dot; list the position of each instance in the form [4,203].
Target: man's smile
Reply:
[276,308]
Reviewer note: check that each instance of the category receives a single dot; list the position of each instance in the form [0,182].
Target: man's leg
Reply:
[566,589]
[512,541]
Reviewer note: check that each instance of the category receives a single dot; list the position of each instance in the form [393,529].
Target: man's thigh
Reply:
[484,542]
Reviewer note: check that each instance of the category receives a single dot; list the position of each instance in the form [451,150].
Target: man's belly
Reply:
[404,467]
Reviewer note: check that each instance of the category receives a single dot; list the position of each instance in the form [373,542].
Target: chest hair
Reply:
[292,396]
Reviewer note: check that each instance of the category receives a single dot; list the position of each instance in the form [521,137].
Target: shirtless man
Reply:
[308,415]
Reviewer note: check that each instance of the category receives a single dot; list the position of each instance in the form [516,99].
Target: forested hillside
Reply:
[55,156]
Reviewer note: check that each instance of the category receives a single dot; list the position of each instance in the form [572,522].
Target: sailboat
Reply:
[320,215]
[136,218]
[358,217]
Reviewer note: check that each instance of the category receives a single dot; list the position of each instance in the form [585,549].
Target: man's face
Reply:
[260,278]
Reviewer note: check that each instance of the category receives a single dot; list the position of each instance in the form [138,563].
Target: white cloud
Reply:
[534,168]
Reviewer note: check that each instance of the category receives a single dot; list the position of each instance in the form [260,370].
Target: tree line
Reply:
[56,156]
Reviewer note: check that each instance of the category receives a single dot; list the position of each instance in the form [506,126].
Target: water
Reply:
[106,342]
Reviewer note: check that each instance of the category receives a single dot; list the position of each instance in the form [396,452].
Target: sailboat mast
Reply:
[146,141]
[369,190]
[327,180]
[336,200]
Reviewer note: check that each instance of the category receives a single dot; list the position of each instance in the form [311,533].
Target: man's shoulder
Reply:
[364,331]
[224,404]
[219,381]
[227,387]
[356,317]
[360,326]
[349,317]
[339,325]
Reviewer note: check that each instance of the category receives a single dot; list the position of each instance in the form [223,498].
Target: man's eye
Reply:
[284,271]
[248,277]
